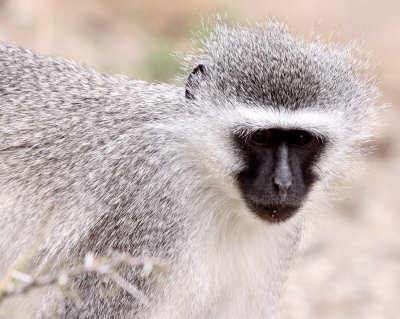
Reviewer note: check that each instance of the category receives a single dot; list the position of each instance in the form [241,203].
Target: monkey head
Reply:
[291,112]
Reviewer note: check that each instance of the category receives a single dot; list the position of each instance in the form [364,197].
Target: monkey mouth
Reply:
[273,213]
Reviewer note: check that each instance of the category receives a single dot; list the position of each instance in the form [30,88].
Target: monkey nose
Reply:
[282,184]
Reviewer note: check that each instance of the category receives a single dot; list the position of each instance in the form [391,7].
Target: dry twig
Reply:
[103,266]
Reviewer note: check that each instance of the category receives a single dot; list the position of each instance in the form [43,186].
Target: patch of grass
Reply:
[159,64]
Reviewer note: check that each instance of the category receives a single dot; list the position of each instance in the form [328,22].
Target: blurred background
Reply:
[349,265]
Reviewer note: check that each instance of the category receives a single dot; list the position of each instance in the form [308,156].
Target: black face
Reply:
[279,173]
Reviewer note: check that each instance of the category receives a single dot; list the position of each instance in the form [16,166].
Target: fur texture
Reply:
[92,162]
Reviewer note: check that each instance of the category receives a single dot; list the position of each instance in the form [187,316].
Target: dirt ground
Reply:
[349,264]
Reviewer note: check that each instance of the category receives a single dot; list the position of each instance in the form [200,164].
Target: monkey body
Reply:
[105,163]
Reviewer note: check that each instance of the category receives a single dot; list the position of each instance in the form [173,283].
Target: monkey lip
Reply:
[273,213]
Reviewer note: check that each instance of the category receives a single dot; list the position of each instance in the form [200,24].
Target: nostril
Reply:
[282,184]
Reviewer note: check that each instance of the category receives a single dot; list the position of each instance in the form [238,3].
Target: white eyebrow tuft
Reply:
[328,125]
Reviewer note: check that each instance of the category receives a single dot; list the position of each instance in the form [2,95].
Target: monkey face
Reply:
[278,170]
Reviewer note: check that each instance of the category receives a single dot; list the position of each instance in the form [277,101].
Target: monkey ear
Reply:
[193,80]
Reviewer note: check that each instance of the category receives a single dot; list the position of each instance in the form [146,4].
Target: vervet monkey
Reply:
[215,177]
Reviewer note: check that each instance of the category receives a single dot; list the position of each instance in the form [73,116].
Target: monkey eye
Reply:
[262,137]
[302,139]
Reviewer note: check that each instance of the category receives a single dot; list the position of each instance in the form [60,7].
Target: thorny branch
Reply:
[106,266]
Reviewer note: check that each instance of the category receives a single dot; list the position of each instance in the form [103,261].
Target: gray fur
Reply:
[106,163]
